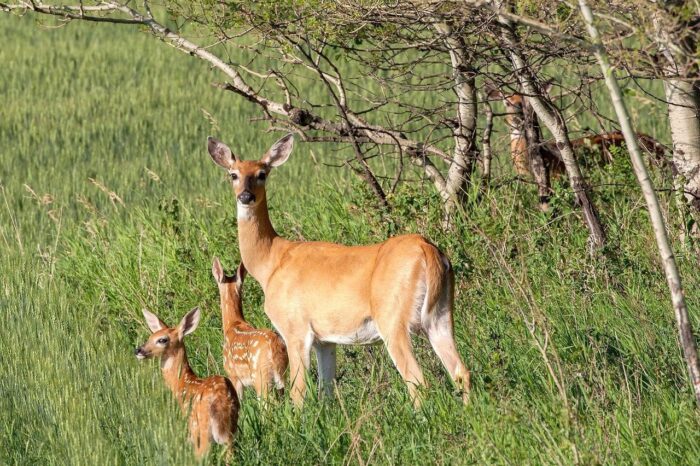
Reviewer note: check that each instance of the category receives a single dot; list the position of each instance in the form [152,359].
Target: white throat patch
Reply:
[243,212]
[168,364]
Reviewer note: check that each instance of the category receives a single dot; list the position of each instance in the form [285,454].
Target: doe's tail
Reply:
[439,277]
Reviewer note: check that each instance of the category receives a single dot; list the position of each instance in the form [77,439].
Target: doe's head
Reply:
[163,338]
[248,176]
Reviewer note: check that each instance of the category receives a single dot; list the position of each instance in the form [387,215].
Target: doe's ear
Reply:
[220,153]
[189,323]
[279,152]
[153,322]
[218,271]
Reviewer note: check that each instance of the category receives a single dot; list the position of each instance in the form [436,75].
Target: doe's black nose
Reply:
[137,350]
[246,197]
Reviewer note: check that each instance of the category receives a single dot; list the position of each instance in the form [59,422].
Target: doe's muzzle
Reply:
[246,197]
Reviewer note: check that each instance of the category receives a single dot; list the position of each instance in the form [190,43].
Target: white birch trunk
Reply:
[684,118]
[683,97]
[465,130]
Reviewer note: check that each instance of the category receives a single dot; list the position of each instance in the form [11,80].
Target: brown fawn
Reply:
[212,401]
[252,357]
[523,125]
[322,294]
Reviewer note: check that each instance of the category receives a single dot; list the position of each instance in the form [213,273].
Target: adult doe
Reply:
[322,294]
[252,357]
[212,402]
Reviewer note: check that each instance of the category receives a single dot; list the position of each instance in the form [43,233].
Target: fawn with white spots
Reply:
[212,402]
[252,357]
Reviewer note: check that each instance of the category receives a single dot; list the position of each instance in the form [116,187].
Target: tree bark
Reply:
[539,170]
[683,98]
[685,330]
[486,154]
[464,133]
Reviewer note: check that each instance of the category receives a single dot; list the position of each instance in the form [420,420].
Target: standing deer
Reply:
[322,294]
[530,157]
[212,402]
[252,357]
[542,160]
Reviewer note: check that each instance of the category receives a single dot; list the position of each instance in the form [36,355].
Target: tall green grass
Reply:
[574,357]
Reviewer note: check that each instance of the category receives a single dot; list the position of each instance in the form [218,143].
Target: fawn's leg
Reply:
[262,383]
[238,386]
[199,432]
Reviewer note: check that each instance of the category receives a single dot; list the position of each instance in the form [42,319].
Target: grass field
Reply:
[110,204]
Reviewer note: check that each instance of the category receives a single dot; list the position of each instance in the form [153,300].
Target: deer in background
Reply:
[252,357]
[530,158]
[542,160]
[322,294]
[212,402]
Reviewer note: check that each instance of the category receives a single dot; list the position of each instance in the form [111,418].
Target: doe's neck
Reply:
[256,237]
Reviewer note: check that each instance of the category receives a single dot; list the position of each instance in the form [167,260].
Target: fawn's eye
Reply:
[162,340]
[234,176]
[262,176]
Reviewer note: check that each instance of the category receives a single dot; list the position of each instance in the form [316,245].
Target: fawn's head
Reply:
[229,285]
[513,102]
[248,176]
[518,107]
[165,339]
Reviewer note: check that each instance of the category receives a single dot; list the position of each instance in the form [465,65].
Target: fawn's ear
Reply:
[153,322]
[189,323]
[217,271]
[492,92]
[279,152]
[220,153]
[547,86]
[240,275]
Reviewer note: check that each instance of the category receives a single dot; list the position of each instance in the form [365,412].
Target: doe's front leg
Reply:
[325,355]
[298,351]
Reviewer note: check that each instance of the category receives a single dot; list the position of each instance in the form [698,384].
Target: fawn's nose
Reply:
[137,350]
[246,197]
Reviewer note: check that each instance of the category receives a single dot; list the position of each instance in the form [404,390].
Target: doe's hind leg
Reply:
[440,333]
[399,347]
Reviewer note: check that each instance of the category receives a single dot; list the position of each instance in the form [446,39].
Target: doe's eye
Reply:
[262,176]
[162,340]
[234,176]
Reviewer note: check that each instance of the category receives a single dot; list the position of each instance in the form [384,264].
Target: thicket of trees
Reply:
[410,80]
